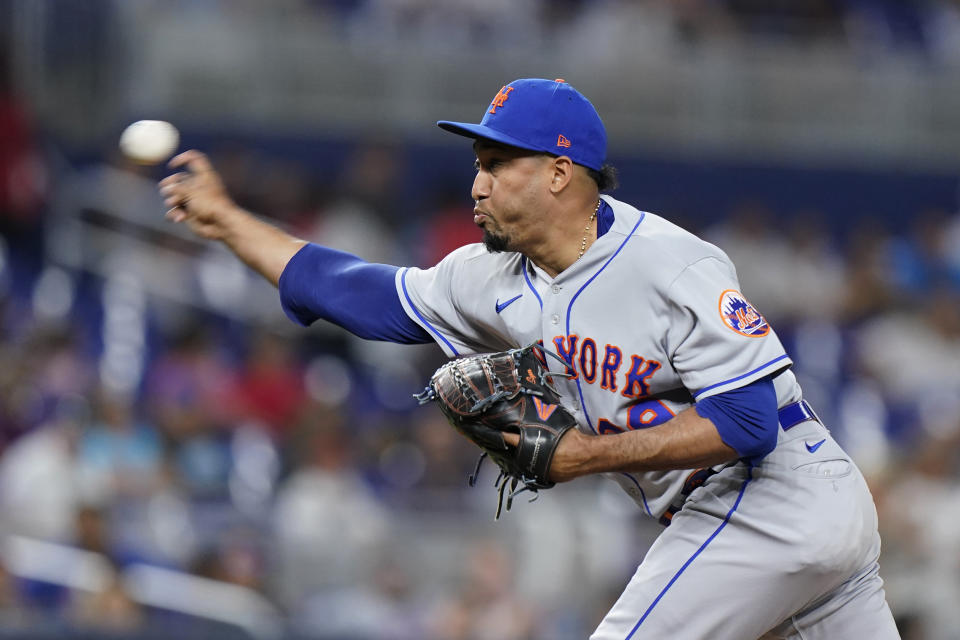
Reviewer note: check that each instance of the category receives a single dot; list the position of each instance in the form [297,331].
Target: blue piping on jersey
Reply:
[426,323]
[643,495]
[526,276]
[574,299]
[740,377]
[583,402]
[694,556]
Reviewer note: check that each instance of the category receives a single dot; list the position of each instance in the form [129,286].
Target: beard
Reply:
[495,243]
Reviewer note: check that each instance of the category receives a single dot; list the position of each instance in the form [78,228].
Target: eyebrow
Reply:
[482,143]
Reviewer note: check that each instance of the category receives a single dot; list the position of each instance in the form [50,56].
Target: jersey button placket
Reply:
[555,318]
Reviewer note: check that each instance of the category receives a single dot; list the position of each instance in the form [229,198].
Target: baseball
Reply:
[149,141]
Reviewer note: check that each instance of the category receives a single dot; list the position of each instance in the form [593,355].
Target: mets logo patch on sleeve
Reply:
[741,316]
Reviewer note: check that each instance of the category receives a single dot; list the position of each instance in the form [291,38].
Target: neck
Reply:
[575,235]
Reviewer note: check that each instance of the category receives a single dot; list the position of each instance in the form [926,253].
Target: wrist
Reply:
[235,223]
[572,457]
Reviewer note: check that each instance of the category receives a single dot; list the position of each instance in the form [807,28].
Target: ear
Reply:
[562,168]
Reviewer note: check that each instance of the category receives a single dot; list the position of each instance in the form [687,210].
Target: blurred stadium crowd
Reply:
[160,422]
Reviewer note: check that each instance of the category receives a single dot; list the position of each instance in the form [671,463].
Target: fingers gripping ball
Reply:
[485,396]
[149,141]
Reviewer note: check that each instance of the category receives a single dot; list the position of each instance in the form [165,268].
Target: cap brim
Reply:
[482,131]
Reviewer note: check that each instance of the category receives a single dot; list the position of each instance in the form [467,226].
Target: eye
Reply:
[488,164]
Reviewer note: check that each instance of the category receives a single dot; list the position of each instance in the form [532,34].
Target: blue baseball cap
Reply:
[541,115]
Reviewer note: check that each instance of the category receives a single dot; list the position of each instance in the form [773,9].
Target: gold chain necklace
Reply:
[586,229]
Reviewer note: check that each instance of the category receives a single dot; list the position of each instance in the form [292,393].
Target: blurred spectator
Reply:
[919,258]
[39,492]
[813,281]
[915,355]
[120,456]
[269,387]
[951,247]
[23,173]
[485,606]
[868,290]
[42,367]
[235,557]
[327,522]
[188,391]
[109,612]
[112,609]
[14,613]
[919,505]
[92,532]
[385,607]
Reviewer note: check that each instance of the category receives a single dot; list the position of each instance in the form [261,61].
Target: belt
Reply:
[793,414]
[789,416]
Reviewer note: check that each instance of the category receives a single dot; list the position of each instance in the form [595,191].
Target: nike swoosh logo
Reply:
[501,307]
[813,447]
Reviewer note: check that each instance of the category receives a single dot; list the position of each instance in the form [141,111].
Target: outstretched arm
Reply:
[197,198]
[315,282]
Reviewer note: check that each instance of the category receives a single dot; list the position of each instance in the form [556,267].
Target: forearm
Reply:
[198,198]
[687,441]
[263,247]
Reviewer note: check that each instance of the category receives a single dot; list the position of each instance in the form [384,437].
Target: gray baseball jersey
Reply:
[650,320]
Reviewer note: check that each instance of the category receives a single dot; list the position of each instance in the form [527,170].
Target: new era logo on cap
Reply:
[541,115]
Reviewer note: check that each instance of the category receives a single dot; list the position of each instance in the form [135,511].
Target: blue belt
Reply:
[793,414]
[790,416]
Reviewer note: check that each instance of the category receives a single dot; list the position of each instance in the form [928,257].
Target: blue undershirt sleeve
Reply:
[746,418]
[322,283]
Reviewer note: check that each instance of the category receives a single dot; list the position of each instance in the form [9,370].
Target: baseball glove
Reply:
[487,395]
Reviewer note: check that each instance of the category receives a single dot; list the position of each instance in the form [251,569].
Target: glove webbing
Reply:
[501,485]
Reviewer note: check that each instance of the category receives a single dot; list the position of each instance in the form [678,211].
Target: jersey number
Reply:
[643,415]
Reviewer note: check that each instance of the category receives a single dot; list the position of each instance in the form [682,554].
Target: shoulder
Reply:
[468,253]
[659,243]
[475,257]
[462,269]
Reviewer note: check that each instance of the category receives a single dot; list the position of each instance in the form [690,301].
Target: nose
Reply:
[481,186]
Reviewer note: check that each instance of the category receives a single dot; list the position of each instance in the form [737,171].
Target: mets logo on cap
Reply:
[741,316]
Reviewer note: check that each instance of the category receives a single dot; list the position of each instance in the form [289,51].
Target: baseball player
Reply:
[681,391]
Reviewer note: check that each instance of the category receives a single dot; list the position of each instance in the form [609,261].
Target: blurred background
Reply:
[177,457]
